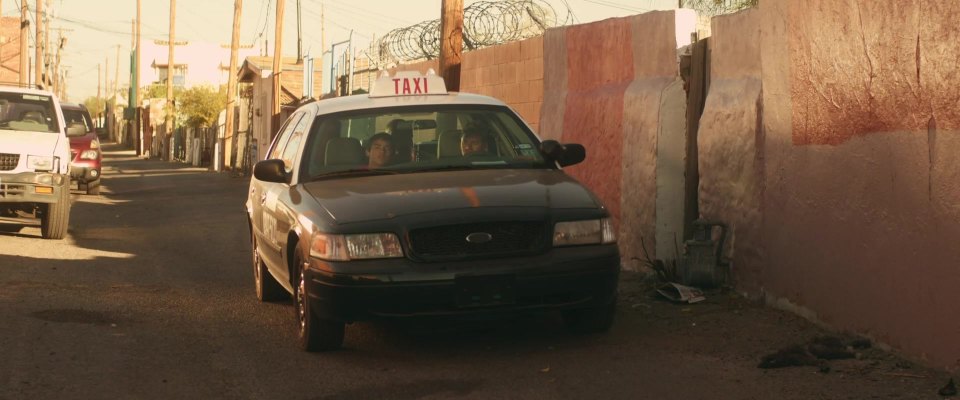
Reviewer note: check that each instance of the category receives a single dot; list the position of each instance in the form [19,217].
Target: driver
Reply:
[473,142]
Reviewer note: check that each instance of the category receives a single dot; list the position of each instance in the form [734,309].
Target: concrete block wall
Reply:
[840,182]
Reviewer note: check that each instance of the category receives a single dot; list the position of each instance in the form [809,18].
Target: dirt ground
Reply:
[729,330]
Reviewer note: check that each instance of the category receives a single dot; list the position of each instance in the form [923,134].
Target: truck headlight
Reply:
[94,144]
[40,163]
[88,155]
[355,247]
[573,233]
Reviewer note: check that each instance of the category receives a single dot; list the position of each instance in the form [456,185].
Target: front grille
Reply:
[8,161]
[7,190]
[450,241]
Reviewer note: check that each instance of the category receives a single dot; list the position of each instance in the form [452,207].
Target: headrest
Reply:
[344,151]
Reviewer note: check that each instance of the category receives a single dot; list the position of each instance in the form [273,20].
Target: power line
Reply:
[617,5]
[266,18]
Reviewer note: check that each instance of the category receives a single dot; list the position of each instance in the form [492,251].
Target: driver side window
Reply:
[284,136]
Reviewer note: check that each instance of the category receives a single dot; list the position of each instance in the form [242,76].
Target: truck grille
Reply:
[506,238]
[8,161]
[7,190]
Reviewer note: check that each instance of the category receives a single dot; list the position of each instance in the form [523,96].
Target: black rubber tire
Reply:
[268,289]
[93,188]
[314,333]
[590,320]
[56,216]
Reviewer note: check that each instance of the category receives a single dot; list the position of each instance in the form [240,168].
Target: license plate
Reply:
[485,290]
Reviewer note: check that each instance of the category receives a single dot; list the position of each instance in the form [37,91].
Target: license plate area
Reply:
[485,290]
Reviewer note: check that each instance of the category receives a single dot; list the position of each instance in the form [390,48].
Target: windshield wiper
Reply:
[354,172]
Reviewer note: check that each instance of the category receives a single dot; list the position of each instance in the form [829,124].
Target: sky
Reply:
[94,28]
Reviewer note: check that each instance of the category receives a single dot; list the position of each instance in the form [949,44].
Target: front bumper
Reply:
[29,187]
[562,278]
[85,171]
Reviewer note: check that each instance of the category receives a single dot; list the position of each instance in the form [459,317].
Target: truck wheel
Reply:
[315,334]
[268,289]
[56,216]
[93,188]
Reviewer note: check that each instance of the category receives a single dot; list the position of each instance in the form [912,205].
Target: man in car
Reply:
[473,142]
[379,149]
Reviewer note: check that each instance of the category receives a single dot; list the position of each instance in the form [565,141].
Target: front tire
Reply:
[56,217]
[268,289]
[315,334]
[93,188]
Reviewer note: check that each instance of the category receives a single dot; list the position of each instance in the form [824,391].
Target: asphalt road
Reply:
[151,297]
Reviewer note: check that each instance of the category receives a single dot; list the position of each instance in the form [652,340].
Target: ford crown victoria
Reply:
[414,202]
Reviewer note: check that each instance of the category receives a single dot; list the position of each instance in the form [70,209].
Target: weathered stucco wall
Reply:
[604,84]
[861,207]
[730,144]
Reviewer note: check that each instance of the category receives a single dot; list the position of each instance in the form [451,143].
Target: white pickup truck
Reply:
[34,162]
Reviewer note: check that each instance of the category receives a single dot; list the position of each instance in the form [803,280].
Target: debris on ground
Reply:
[949,390]
[680,293]
[817,352]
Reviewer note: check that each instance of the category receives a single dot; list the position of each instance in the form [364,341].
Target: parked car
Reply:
[84,147]
[34,162]
[434,232]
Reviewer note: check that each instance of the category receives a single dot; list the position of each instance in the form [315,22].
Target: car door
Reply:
[264,224]
[276,199]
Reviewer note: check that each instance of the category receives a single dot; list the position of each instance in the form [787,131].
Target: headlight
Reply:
[594,231]
[88,155]
[40,163]
[355,247]
[94,144]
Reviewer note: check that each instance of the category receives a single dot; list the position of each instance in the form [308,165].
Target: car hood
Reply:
[23,142]
[387,196]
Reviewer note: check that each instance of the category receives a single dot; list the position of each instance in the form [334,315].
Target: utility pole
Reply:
[451,42]
[38,65]
[136,91]
[24,37]
[106,90]
[46,47]
[116,72]
[56,64]
[277,55]
[98,97]
[299,35]
[170,73]
[232,79]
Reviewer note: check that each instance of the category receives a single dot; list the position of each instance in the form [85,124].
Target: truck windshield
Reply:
[28,112]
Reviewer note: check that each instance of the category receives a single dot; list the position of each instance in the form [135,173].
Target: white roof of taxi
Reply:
[364,101]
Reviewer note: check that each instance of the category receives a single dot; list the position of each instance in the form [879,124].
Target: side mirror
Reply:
[563,154]
[270,171]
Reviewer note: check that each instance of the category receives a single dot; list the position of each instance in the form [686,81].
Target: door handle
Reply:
[263,198]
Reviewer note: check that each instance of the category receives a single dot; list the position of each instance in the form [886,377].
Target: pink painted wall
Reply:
[603,88]
[841,182]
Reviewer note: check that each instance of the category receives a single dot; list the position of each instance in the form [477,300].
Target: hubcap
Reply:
[256,266]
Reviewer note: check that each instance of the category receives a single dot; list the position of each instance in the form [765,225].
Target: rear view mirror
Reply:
[424,124]
[76,130]
[563,154]
[270,171]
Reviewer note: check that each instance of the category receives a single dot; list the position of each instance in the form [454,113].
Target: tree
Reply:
[717,7]
[200,105]
[93,105]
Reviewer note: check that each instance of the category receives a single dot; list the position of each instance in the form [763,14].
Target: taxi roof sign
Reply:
[408,83]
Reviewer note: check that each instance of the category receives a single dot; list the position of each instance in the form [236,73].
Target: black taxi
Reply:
[415,202]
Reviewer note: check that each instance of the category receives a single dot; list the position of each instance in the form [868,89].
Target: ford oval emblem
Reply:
[479,237]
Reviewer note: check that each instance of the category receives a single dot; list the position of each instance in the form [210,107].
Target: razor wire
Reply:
[485,23]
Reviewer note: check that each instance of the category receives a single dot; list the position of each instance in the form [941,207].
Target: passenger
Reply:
[473,142]
[379,149]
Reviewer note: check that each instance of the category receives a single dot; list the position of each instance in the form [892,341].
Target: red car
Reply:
[84,147]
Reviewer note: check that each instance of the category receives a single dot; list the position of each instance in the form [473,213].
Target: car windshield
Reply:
[28,112]
[418,139]
[77,121]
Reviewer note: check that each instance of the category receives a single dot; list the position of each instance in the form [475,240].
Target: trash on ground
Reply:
[680,293]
